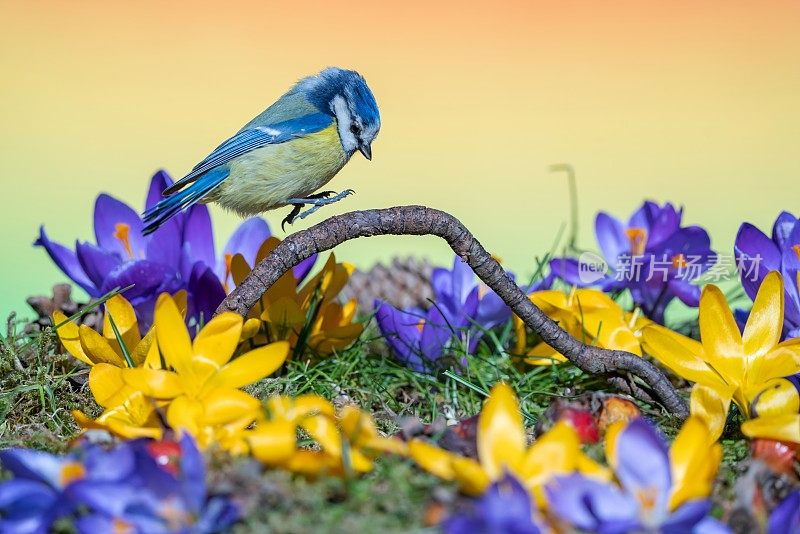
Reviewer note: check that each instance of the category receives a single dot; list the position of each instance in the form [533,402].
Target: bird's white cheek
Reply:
[343,123]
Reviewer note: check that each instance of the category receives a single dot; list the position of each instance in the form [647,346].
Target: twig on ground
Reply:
[617,365]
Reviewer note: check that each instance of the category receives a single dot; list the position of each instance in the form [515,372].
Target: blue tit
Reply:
[285,154]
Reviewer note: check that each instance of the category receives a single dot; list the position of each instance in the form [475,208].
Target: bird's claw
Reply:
[321,199]
[292,216]
[317,200]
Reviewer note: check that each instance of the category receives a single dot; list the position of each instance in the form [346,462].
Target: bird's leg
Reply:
[318,200]
[292,215]
[322,194]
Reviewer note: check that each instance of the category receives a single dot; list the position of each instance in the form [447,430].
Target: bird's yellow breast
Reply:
[267,177]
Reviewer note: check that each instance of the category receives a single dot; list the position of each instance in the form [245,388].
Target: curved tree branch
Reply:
[619,366]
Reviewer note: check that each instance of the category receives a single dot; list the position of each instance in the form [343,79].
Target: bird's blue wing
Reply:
[252,138]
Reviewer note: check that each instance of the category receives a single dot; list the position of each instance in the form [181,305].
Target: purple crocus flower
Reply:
[786,516]
[466,303]
[41,491]
[505,508]
[179,256]
[640,502]
[651,255]
[463,309]
[109,490]
[417,338]
[757,255]
[157,500]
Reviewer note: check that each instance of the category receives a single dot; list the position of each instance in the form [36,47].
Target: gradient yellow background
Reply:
[690,101]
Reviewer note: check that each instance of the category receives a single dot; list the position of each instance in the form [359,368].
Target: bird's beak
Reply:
[366,150]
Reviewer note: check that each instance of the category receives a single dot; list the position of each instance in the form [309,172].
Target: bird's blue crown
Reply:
[322,88]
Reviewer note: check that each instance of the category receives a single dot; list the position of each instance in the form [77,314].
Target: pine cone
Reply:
[405,283]
[60,301]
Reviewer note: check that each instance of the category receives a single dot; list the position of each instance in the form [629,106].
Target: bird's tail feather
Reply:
[168,207]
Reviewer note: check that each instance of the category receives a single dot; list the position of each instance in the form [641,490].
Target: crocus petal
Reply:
[108,214]
[273,442]
[463,279]
[34,495]
[504,507]
[755,251]
[158,183]
[666,222]
[33,465]
[96,262]
[786,517]
[694,457]
[147,278]
[722,341]
[225,405]
[568,269]
[198,236]
[165,246]
[492,311]
[399,329]
[116,464]
[155,383]
[218,339]
[501,433]
[643,466]
[97,348]
[432,459]
[252,366]
[67,261]
[777,396]
[173,338]
[185,414]
[435,335]
[107,385]
[644,216]
[682,354]
[245,240]
[710,404]
[302,269]
[687,292]
[206,292]
[611,238]
[592,506]
[783,360]
[685,518]
[784,224]
[763,329]
[69,335]
[470,475]
[554,453]
[124,317]
[323,430]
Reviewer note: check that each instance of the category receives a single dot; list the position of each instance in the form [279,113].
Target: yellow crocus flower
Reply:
[586,314]
[309,314]
[727,365]
[502,449]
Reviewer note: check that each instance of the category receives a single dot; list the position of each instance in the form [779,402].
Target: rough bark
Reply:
[617,366]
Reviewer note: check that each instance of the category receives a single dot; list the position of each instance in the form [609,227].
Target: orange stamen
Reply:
[647,498]
[679,261]
[121,527]
[638,238]
[228,270]
[122,232]
[796,249]
[420,324]
[70,472]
